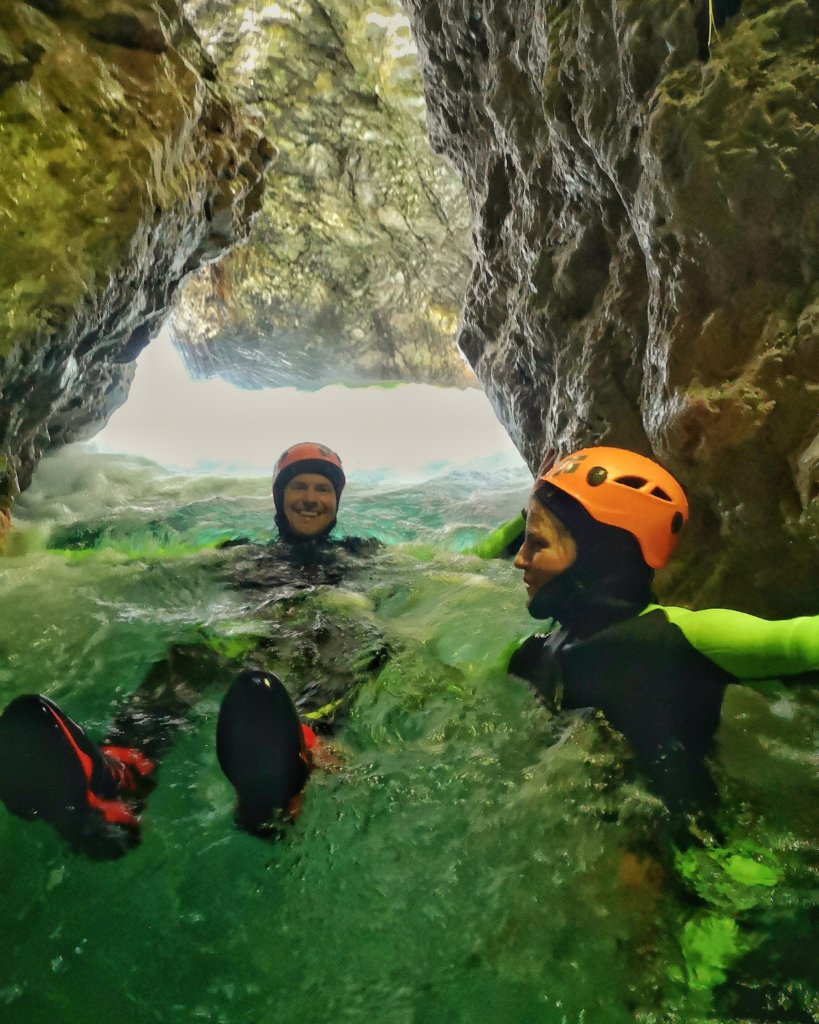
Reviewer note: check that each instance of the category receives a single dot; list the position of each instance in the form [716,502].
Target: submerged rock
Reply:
[645,215]
[123,166]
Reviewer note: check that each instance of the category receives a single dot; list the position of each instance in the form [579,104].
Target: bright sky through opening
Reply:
[212,426]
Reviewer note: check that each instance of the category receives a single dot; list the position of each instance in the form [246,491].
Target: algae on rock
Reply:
[646,224]
[123,166]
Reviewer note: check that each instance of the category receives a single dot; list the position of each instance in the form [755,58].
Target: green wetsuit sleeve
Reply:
[495,543]
[749,647]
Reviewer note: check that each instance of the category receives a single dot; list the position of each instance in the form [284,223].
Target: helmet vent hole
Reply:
[677,522]
[658,492]
[596,476]
[632,481]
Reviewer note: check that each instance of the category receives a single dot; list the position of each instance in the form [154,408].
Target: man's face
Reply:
[309,504]
[548,548]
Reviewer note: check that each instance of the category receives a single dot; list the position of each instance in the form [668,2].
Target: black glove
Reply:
[529,657]
[536,662]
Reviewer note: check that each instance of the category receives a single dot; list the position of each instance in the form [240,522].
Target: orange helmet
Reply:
[307,457]
[627,490]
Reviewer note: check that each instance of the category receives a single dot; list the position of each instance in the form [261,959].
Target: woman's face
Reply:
[548,548]
[309,504]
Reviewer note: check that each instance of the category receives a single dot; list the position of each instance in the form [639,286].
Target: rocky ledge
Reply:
[356,268]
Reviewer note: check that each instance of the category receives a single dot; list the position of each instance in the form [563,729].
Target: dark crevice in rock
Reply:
[54,8]
[498,204]
[720,10]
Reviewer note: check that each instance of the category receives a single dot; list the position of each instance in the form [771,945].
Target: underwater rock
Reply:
[645,218]
[356,268]
[123,166]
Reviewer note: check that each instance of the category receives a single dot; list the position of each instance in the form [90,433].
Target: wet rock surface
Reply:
[355,270]
[123,166]
[643,201]
[645,211]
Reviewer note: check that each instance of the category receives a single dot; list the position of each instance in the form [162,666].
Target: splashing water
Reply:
[476,859]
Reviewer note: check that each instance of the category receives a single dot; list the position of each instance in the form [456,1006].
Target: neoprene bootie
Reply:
[51,771]
[262,749]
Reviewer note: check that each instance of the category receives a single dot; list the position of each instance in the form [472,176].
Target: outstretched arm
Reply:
[503,541]
[750,647]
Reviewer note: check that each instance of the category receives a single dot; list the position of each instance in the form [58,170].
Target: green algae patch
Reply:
[124,552]
[749,872]
[231,647]
[710,944]
[734,877]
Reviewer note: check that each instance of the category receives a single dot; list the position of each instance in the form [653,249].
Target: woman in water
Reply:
[598,524]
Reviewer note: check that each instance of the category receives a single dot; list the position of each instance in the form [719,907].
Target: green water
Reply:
[466,864]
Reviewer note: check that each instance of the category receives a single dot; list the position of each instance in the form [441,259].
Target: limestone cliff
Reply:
[356,268]
[123,166]
[646,219]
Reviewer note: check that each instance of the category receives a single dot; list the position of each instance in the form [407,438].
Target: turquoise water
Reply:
[470,862]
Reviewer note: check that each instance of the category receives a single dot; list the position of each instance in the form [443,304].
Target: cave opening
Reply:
[476,857]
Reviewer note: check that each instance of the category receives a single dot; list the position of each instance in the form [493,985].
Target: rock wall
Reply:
[644,204]
[123,166]
[646,215]
[356,269]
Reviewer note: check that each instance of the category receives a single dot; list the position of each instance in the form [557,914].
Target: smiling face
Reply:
[309,504]
[548,548]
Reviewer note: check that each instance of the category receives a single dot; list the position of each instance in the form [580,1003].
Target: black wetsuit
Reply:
[333,655]
[668,715]
[659,678]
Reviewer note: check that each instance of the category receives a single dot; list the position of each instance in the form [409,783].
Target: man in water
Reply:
[308,480]
[307,483]
[92,794]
